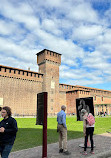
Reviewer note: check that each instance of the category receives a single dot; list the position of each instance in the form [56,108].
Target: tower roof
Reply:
[48,56]
[46,50]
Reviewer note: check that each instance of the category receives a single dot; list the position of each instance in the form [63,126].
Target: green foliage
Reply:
[30,135]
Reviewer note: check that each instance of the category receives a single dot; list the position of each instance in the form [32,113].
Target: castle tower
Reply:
[49,63]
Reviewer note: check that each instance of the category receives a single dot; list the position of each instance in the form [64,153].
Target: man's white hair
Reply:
[63,107]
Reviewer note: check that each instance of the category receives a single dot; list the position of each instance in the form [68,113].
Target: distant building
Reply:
[19,88]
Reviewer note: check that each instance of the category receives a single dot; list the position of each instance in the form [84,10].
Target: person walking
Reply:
[8,130]
[62,130]
[87,130]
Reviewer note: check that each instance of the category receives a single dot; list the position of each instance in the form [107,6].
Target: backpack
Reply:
[90,119]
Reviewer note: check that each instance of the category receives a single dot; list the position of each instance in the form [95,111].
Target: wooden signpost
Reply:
[41,119]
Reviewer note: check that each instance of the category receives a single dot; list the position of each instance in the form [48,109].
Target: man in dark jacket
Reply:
[8,130]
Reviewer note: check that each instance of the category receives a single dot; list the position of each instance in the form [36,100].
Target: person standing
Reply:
[62,129]
[8,130]
[87,130]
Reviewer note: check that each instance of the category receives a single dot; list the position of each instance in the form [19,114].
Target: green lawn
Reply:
[30,135]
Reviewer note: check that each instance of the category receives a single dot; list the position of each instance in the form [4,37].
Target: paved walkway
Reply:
[102,149]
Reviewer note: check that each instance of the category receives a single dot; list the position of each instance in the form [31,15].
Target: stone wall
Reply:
[19,91]
[62,100]
[71,97]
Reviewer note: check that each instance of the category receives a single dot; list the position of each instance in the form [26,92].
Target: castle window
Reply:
[50,53]
[19,72]
[14,71]
[27,73]
[94,97]
[9,70]
[101,98]
[23,72]
[5,69]
[34,75]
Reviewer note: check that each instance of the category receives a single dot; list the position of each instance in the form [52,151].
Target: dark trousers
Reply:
[5,150]
[89,131]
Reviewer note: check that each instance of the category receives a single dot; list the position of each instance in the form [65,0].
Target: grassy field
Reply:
[30,135]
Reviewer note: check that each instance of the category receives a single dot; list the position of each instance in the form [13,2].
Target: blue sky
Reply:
[80,30]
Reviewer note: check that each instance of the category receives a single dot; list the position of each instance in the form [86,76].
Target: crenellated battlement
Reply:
[82,89]
[47,55]
[11,72]
[96,91]
[66,87]
[69,88]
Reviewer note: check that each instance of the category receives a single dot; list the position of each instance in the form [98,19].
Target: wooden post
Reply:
[44,147]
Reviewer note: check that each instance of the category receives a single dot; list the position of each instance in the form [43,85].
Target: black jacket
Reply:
[9,135]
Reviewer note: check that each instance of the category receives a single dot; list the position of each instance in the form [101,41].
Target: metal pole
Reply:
[44,149]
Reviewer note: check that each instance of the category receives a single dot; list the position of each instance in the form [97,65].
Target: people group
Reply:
[88,130]
[8,130]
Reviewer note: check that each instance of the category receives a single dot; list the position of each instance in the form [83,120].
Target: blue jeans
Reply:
[5,150]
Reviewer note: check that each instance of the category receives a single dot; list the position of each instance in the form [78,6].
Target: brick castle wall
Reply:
[71,97]
[19,88]
[20,91]
[62,100]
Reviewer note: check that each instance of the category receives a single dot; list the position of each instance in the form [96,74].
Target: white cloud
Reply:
[11,49]
[64,67]
[4,29]
[50,26]
[84,82]
[22,13]
[85,32]
[83,12]
[14,62]
[108,14]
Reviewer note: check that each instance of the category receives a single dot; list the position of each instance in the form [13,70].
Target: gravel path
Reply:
[102,149]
